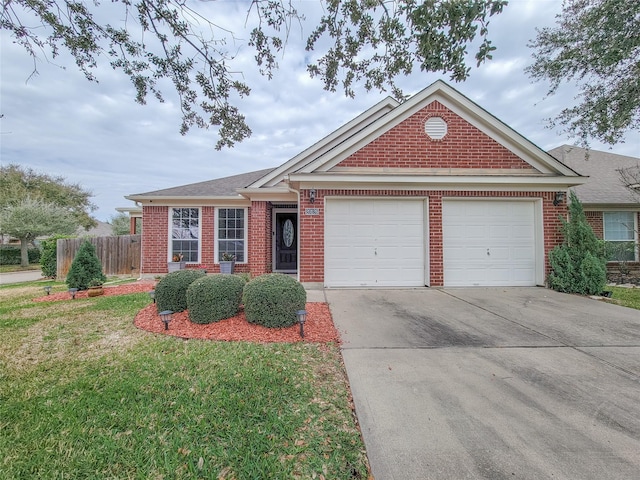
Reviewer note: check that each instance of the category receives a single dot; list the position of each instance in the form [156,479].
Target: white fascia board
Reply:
[191,201]
[449,182]
[276,194]
[461,106]
[610,207]
[327,143]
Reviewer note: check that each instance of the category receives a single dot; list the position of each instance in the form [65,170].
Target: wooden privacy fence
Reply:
[119,255]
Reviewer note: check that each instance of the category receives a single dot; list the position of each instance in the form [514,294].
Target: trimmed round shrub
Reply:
[171,291]
[214,298]
[85,267]
[273,299]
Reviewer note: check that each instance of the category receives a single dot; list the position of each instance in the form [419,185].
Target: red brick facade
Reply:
[156,241]
[404,146]
[408,146]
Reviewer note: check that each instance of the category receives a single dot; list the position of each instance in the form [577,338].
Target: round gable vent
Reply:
[435,128]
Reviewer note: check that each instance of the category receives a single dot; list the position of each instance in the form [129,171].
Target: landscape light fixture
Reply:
[558,198]
[166,318]
[47,289]
[312,195]
[73,292]
[152,295]
[302,317]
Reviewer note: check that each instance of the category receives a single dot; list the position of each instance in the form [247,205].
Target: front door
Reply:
[286,242]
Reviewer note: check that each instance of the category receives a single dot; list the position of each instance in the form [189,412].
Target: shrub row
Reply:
[271,300]
[10,255]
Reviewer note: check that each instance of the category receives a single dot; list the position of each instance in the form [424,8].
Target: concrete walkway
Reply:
[498,383]
[19,277]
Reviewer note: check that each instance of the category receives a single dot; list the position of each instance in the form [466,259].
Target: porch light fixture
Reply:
[557,200]
[47,289]
[312,195]
[73,292]
[152,295]
[302,317]
[166,318]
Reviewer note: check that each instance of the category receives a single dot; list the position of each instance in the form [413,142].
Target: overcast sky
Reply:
[96,135]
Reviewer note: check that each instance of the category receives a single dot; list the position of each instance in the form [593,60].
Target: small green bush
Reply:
[273,299]
[214,298]
[49,256]
[85,267]
[10,255]
[171,291]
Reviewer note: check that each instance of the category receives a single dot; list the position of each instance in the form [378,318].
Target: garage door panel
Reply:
[382,245]
[489,243]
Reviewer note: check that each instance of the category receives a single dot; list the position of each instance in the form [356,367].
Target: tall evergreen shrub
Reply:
[579,264]
[86,266]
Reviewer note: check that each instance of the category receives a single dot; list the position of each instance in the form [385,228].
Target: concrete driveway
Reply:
[518,383]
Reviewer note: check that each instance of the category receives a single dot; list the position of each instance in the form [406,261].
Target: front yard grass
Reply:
[627,297]
[84,394]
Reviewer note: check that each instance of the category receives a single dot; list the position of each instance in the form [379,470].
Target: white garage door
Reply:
[489,243]
[374,242]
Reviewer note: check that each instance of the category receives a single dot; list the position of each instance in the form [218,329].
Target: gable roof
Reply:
[316,162]
[220,187]
[461,106]
[605,186]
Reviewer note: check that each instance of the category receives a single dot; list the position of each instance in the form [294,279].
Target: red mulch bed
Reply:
[318,328]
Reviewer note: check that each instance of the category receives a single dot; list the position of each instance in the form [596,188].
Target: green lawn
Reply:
[628,297]
[84,394]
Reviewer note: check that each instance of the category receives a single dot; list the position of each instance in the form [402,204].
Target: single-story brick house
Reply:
[611,205]
[433,191]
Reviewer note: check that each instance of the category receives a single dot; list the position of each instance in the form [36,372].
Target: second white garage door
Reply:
[374,242]
[489,243]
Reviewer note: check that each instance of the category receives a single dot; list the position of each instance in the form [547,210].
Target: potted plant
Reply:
[95,288]
[177,264]
[227,262]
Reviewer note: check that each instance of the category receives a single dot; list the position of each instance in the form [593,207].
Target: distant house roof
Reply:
[219,187]
[605,186]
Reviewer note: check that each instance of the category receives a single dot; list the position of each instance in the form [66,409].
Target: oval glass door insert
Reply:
[287,233]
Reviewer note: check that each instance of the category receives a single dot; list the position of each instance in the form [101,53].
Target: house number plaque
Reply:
[312,211]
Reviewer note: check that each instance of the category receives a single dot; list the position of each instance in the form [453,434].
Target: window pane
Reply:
[231,232]
[618,226]
[185,232]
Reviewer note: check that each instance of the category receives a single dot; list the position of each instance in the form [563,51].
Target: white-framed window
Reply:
[619,234]
[185,234]
[231,233]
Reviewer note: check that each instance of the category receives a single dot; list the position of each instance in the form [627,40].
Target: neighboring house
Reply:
[612,209]
[433,191]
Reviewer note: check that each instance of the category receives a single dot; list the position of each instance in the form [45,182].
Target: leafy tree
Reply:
[121,224]
[596,43]
[374,41]
[85,267]
[579,264]
[29,219]
[18,183]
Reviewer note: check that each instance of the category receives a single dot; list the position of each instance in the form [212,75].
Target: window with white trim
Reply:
[185,234]
[232,233]
[619,234]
